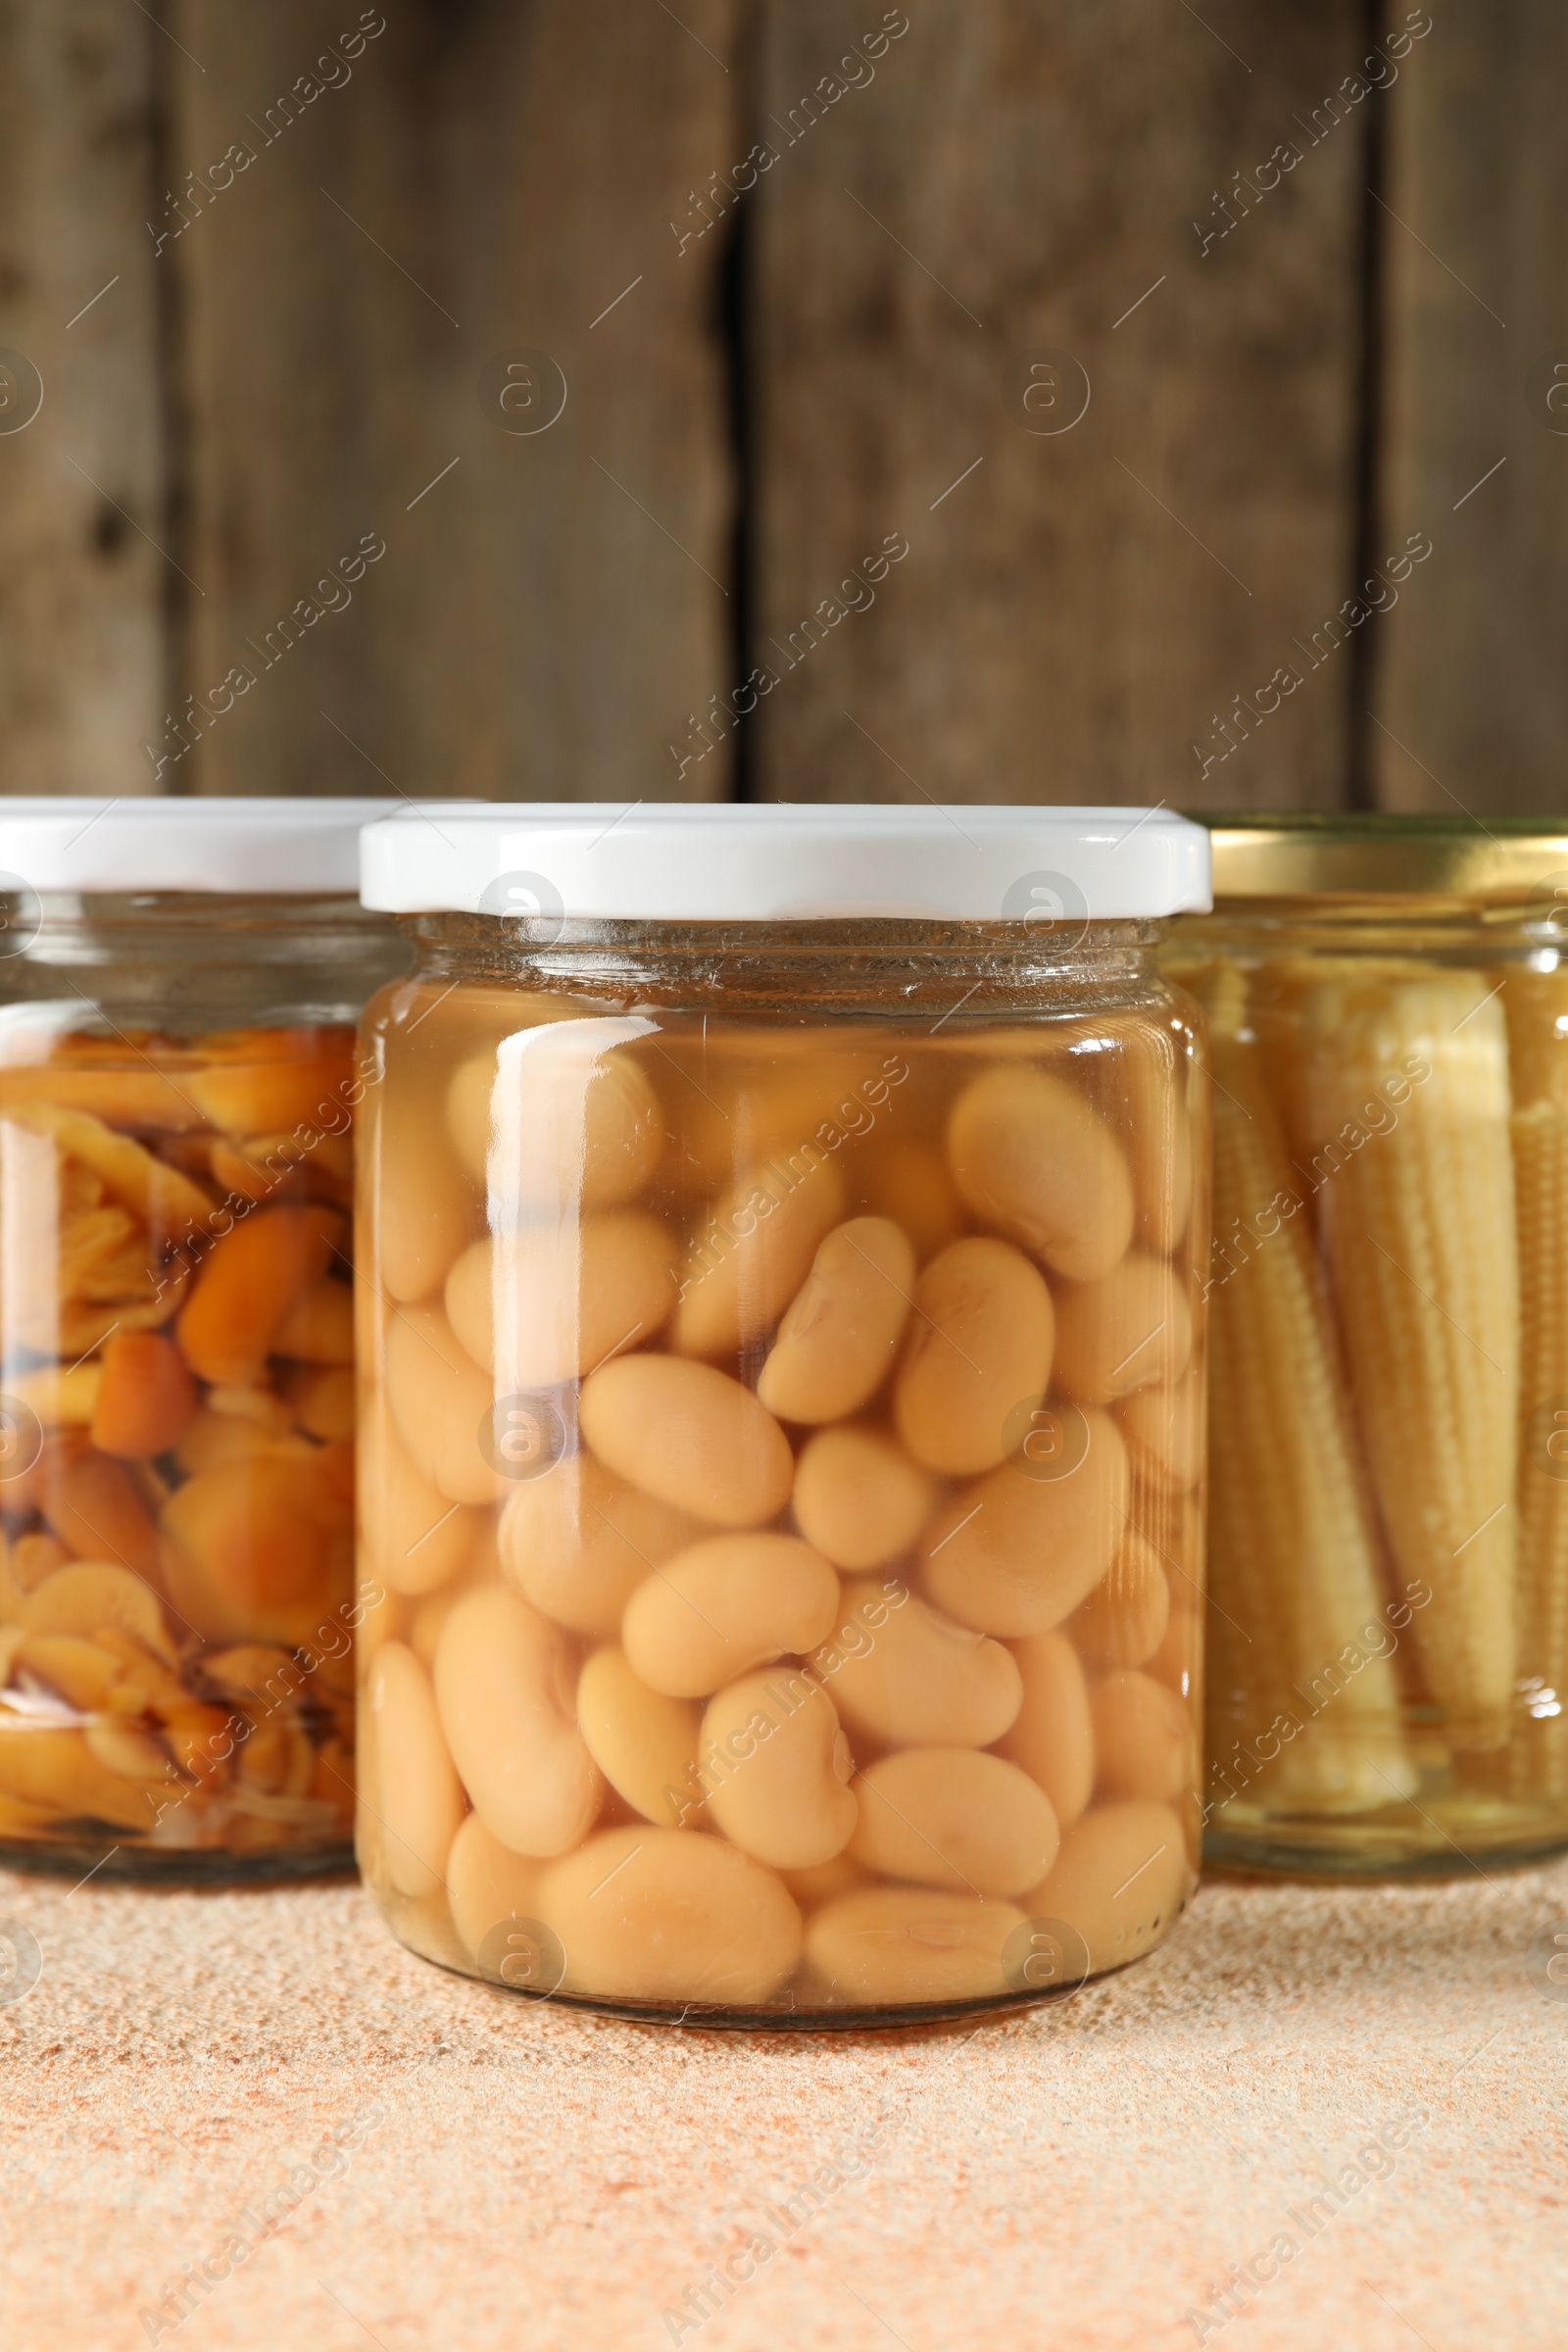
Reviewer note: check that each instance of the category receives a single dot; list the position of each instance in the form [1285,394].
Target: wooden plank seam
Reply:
[1337,108]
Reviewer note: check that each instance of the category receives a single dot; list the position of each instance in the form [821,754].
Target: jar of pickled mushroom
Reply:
[1389,1309]
[781,1244]
[178,986]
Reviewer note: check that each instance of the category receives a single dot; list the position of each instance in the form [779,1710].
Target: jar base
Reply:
[699,2017]
[1501,1808]
[176,1866]
[1354,1849]
[423,1927]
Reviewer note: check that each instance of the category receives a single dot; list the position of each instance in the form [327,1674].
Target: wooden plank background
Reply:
[1074,618]
[816,277]
[83,613]
[489,180]
[1471,682]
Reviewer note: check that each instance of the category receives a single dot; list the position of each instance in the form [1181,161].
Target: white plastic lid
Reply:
[299,846]
[684,862]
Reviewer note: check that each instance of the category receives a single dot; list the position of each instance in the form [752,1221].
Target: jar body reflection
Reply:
[781,1426]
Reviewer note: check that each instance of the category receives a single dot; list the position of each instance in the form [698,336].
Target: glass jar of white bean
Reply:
[783,1238]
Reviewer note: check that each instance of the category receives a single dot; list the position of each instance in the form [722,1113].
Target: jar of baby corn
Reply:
[781,1244]
[178,986]
[1389,1309]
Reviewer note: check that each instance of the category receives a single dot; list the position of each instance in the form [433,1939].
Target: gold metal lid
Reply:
[1510,858]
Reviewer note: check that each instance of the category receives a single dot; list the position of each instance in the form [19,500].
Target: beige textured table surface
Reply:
[523,2177]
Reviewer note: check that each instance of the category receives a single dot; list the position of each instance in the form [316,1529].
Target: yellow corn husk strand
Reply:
[1536,1009]
[1408,1098]
[1298,1633]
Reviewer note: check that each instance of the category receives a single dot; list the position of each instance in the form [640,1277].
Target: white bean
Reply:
[688,1435]
[761,1102]
[1124,1621]
[428,1614]
[836,1344]
[1143,1738]
[487,1884]
[979,1343]
[1053,1736]
[779,1767]
[563,1296]
[577,1541]
[422,1207]
[416,1797]
[909,1181]
[1015,1554]
[560,1116]
[643,1742]
[1128,1331]
[919,1678]
[952,1817]
[751,1251]
[1164,1430]
[824,1881]
[502,1685]
[646,1914]
[412,1536]
[725,1606]
[1034,1160]
[1153,1074]
[885,1946]
[1122,1878]
[858,1498]
[440,1400]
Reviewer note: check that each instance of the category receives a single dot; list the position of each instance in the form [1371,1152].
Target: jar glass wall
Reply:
[782,1440]
[1389,1316]
[177,1091]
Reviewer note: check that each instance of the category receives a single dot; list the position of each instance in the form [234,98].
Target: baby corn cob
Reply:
[1297,1630]
[1407,1093]
[1536,1009]
[1276,991]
